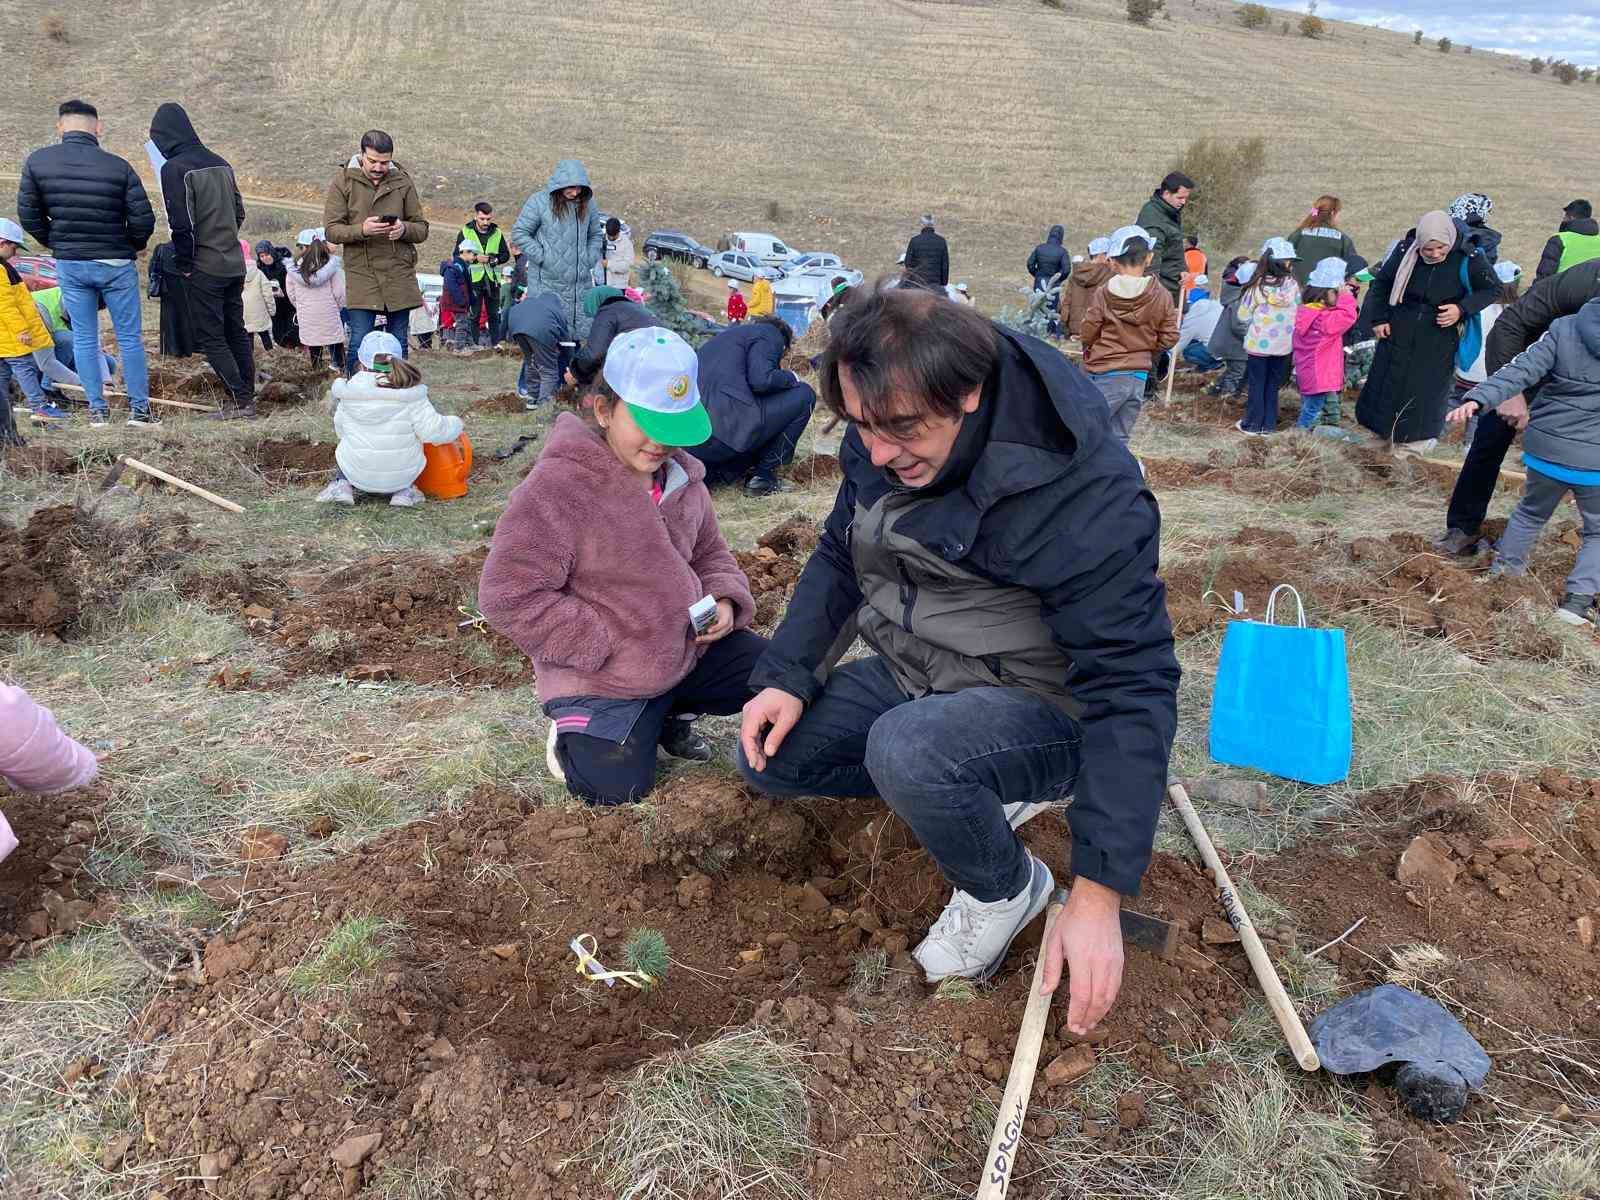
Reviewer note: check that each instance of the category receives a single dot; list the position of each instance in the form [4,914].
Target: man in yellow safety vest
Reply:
[483,237]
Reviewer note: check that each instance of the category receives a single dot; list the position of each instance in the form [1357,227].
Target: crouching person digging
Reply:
[995,547]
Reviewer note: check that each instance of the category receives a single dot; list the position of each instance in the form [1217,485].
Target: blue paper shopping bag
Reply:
[1282,698]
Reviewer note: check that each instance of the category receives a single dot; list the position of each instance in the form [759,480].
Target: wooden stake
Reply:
[1172,374]
[1505,472]
[157,473]
[1266,974]
[1001,1160]
[72,387]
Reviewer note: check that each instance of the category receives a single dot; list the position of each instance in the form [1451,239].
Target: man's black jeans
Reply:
[945,763]
[216,305]
[1469,501]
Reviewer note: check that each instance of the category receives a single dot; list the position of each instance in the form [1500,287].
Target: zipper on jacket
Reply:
[908,593]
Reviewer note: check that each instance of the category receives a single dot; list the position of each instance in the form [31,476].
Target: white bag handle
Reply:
[1272,604]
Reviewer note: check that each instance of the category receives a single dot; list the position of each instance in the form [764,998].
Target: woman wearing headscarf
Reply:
[560,233]
[273,262]
[1471,215]
[1420,296]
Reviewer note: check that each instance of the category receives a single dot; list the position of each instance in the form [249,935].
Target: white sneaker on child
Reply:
[551,762]
[340,491]
[971,937]
[406,498]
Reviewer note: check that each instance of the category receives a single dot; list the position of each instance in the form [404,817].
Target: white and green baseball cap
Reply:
[656,374]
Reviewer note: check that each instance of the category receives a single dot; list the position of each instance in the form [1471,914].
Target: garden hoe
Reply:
[1149,933]
[124,463]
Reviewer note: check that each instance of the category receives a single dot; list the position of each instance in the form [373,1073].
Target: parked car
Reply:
[38,271]
[814,285]
[736,264]
[813,260]
[667,243]
[766,249]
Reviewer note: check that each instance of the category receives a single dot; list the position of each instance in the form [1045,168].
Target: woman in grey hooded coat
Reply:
[560,233]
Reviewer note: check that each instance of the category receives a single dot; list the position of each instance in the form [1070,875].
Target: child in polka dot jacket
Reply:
[1267,307]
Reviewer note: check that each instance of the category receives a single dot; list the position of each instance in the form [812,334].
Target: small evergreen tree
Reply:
[1142,12]
[1253,16]
[664,298]
[1564,71]
[1312,26]
[1034,314]
[1536,65]
[1444,45]
[1416,38]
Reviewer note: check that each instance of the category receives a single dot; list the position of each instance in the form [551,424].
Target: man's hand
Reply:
[774,713]
[1449,314]
[721,627]
[570,377]
[371,227]
[1381,331]
[1087,936]
[1515,411]
[397,231]
[1461,412]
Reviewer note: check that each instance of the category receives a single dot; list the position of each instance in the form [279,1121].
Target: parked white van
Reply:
[768,250]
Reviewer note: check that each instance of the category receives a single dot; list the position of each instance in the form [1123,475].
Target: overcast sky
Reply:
[1567,29]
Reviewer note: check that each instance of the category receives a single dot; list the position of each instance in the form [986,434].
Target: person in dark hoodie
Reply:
[1050,264]
[758,409]
[607,312]
[1471,212]
[927,258]
[1577,241]
[205,210]
[996,548]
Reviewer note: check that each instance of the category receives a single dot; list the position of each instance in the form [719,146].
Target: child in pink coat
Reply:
[1328,311]
[35,756]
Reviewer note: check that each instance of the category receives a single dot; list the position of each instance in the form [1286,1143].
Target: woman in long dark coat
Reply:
[1418,303]
[169,286]
[273,262]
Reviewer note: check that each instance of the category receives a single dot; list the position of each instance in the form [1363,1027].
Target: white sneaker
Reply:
[340,491]
[551,762]
[1020,813]
[406,498]
[970,938]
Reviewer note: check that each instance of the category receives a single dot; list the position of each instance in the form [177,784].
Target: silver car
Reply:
[736,264]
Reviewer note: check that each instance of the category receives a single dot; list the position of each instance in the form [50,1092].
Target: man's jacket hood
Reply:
[172,131]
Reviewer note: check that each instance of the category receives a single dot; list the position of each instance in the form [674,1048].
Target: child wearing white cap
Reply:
[609,571]
[737,308]
[1327,311]
[1129,321]
[1267,306]
[22,331]
[383,418]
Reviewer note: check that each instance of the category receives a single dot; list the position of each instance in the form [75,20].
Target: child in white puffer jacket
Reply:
[382,419]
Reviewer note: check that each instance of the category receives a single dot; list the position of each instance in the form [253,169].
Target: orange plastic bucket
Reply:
[445,476]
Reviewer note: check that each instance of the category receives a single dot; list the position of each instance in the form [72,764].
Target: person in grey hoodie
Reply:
[1227,337]
[560,233]
[1561,446]
[205,211]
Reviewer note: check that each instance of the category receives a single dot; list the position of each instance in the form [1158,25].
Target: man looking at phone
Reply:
[373,211]
[995,548]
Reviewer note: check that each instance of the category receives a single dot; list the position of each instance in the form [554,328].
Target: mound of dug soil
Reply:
[1398,581]
[295,462]
[294,380]
[478,1047]
[36,458]
[774,566]
[389,616]
[43,890]
[63,564]
[815,468]
[502,403]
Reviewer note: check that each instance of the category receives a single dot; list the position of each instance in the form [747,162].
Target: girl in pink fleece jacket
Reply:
[602,552]
[35,756]
[1328,311]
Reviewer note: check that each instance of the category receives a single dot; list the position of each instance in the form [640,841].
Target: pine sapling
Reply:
[646,952]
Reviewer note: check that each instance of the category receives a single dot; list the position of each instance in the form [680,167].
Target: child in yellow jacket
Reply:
[22,331]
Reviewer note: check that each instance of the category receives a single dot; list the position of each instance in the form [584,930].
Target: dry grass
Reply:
[859,118]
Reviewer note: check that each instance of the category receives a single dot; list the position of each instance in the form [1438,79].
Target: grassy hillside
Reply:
[852,118]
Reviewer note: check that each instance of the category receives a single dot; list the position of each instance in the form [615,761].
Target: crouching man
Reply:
[995,548]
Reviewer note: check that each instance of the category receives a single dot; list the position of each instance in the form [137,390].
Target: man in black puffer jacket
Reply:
[90,209]
[927,261]
[205,211]
[1048,261]
[1514,330]
[758,410]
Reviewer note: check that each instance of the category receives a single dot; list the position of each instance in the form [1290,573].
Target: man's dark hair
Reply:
[378,141]
[910,342]
[482,206]
[1176,180]
[1191,241]
[613,227]
[1579,210]
[78,108]
[780,325]
[1134,252]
